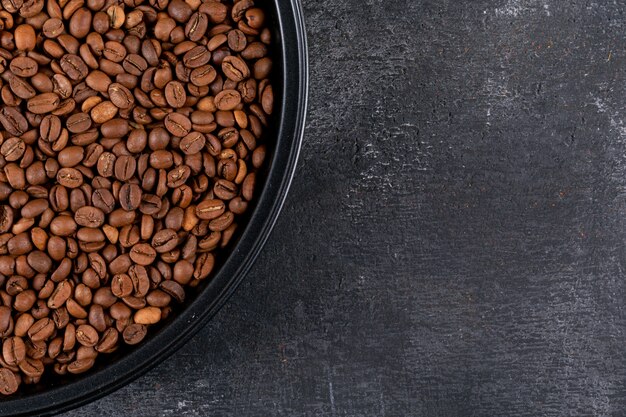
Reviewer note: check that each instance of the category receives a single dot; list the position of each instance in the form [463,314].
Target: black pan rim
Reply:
[294,56]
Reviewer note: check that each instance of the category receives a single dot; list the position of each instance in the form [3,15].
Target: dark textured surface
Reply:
[453,244]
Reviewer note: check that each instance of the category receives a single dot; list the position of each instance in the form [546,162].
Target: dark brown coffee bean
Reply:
[12,6]
[13,350]
[63,226]
[61,294]
[53,27]
[235,68]
[210,209]
[86,335]
[109,341]
[225,190]
[161,159]
[104,200]
[78,123]
[70,177]
[13,121]
[132,334]
[25,38]
[130,196]
[41,330]
[89,216]
[9,382]
[177,124]
[197,57]
[175,94]
[34,208]
[106,164]
[135,64]
[204,265]
[115,128]
[165,240]
[13,149]
[203,75]
[227,100]
[80,23]
[50,128]
[125,167]
[120,96]
[74,67]
[21,88]
[23,66]
[71,156]
[122,285]
[142,254]
[32,367]
[196,26]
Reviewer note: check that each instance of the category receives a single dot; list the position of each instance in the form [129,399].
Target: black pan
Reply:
[54,395]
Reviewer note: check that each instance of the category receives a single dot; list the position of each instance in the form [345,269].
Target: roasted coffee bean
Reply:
[175,94]
[130,196]
[9,382]
[25,38]
[13,121]
[74,67]
[142,254]
[78,123]
[197,57]
[120,96]
[177,124]
[125,167]
[70,177]
[23,66]
[13,149]
[132,335]
[235,68]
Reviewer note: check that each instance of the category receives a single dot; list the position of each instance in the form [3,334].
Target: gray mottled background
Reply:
[453,244]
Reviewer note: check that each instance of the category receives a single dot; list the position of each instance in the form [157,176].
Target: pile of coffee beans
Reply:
[131,134]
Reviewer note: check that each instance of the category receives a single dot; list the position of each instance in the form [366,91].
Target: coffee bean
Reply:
[210,209]
[13,149]
[104,200]
[197,57]
[61,294]
[70,177]
[89,216]
[132,335]
[74,67]
[125,167]
[142,254]
[53,27]
[9,382]
[175,94]
[25,38]
[21,88]
[13,350]
[115,128]
[197,26]
[235,68]
[80,23]
[63,226]
[24,67]
[177,124]
[71,156]
[227,99]
[120,96]
[130,196]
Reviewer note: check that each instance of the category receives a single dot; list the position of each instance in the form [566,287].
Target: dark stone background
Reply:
[453,244]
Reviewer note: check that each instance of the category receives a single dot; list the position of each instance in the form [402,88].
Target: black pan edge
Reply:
[191,319]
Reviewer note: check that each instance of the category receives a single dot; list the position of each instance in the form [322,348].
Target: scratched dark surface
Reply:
[454,241]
